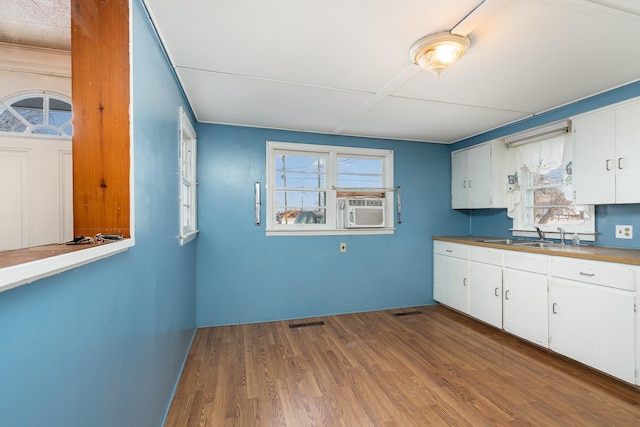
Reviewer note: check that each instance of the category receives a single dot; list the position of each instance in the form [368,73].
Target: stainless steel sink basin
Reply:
[510,242]
[541,245]
[499,241]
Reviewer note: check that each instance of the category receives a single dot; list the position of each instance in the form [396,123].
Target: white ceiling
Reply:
[343,67]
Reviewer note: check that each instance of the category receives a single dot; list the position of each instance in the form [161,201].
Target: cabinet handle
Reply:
[464,184]
[582,273]
[469,183]
[496,293]
[607,164]
[554,308]
[619,162]
[464,282]
[449,250]
[506,294]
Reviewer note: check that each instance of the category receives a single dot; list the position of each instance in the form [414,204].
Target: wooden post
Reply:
[101,130]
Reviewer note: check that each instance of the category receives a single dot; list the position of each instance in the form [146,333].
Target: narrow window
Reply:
[188,180]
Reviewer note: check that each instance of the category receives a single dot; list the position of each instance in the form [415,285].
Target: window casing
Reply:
[544,183]
[305,182]
[188,180]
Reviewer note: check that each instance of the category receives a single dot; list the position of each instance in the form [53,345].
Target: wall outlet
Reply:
[624,231]
[343,247]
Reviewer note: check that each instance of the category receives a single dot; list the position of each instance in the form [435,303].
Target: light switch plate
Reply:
[343,247]
[624,232]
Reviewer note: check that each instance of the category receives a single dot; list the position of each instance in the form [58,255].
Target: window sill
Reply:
[334,232]
[188,237]
[27,265]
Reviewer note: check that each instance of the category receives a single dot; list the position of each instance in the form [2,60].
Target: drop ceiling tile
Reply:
[263,103]
[356,44]
[417,120]
[517,64]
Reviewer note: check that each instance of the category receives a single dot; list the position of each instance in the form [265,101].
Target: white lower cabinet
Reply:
[591,315]
[451,275]
[524,307]
[582,309]
[485,285]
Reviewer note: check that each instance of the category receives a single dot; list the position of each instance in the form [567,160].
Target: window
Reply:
[310,189]
[542,192]
[188,180]
[36,114]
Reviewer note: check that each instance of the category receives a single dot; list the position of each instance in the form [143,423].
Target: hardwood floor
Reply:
[377,369]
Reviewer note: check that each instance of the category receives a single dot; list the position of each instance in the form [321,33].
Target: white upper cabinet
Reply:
[606,156]
[478,178]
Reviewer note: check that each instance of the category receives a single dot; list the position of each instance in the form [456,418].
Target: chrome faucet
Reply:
[540,233]
[562,233]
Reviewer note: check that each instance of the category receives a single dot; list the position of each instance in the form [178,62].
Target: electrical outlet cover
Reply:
[624,232]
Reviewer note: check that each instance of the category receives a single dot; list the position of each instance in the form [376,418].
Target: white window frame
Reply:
[521,227]
[331,154]
[188,205]
[524,229]
[7,105]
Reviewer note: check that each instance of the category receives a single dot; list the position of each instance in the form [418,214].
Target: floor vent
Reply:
[408,313]
[304,325]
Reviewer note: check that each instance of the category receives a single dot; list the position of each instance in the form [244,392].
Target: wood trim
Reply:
[101,128]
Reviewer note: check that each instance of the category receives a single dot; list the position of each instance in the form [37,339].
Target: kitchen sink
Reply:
[541,245]
[505,241]
[499,241]
[527,243]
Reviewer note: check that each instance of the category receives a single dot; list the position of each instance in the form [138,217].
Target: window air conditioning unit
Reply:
[361,212]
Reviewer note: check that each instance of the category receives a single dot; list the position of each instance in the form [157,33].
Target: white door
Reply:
[594,325]
[485,293]
[525,305]
[627,161]
[34,184]
[594,158]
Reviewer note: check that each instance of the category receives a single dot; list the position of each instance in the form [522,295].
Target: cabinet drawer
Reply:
[451,249]
[487,256]
[526,262]
[594,272]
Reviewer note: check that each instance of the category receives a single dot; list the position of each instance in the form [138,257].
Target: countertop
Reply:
[595,253]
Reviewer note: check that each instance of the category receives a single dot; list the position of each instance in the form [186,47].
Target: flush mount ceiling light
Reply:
[437,51]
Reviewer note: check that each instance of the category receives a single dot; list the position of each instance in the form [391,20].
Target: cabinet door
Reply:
[479,183]
[594,325]
[525,305]
[485,293]
[450,282]
[627,161]
[458,289]
[459,179]
[440,278]
[594,159]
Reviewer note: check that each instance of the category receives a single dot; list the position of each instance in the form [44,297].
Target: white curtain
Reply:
[538,157]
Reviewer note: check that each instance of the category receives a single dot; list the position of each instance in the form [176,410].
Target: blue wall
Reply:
[103,345]
[494,222]
[244,276]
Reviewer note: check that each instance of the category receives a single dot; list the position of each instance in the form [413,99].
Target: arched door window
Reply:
[36,114]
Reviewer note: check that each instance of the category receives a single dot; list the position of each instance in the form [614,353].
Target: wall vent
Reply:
[304,325]
[407,313]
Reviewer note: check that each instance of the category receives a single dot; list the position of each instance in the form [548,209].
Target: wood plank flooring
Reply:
[377,369]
